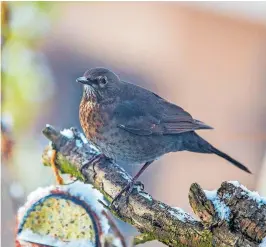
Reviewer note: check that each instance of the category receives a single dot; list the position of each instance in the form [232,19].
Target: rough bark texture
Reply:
[245,224]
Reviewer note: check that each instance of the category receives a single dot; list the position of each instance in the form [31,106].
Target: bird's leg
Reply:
[129,187]
[58,178]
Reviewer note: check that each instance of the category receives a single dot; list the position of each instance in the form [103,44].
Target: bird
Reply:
[132,125]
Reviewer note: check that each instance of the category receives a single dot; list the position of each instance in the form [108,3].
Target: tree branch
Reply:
[229,217]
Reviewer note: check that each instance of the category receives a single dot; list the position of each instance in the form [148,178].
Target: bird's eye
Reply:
[102,81]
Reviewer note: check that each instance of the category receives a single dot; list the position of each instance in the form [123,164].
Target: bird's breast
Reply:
[92,120]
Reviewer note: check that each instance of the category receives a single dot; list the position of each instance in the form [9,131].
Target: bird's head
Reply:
[99,84]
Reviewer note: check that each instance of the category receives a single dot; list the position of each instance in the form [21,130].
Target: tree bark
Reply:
[231,216]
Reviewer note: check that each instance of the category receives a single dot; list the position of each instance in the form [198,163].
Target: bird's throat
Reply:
[89,94]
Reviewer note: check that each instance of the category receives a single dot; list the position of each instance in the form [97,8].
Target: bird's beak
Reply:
[82,80]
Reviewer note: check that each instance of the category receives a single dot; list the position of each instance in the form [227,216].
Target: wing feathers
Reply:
[162,119]
[180,127]
[164,128]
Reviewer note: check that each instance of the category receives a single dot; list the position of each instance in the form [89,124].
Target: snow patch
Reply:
[254,195]
[220,207]
[146,195]
[211,195]
[181,214]
[79,144]
[124,174]
[67,133]
[83,138]
[94,149]
[263,243]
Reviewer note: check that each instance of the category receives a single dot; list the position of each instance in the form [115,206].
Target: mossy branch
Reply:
[242,224]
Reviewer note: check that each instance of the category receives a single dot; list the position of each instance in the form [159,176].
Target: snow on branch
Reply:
[230,216]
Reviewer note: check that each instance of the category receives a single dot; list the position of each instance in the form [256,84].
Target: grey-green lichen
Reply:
[67,167]
[143,238]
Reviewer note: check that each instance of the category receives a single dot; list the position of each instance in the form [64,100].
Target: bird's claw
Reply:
[92,161]
[127,190]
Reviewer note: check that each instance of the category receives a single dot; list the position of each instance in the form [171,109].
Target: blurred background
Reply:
[207,57]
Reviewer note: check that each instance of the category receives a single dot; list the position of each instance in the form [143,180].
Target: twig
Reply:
[58,179]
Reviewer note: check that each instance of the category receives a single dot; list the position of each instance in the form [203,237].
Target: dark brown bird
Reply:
[132,125]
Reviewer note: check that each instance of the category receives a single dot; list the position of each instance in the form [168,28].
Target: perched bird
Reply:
[133,125]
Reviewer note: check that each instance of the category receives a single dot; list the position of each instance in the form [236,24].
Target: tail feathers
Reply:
[230,159]
[202,125]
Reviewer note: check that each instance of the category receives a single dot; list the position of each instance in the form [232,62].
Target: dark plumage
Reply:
[133,125]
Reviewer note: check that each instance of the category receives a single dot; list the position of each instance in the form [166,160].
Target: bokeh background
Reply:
[208,57]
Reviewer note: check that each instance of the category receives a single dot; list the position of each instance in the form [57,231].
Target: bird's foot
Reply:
[92,161]
[127,190]
[59,179]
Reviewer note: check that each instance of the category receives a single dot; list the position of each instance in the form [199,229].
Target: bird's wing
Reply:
[157,118]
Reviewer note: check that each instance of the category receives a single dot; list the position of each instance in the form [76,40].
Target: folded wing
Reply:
[158,118]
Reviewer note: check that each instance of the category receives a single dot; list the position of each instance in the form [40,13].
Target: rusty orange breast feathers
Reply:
[90,119]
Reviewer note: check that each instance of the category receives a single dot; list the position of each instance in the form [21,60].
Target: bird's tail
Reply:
[230,159]
[195,143]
